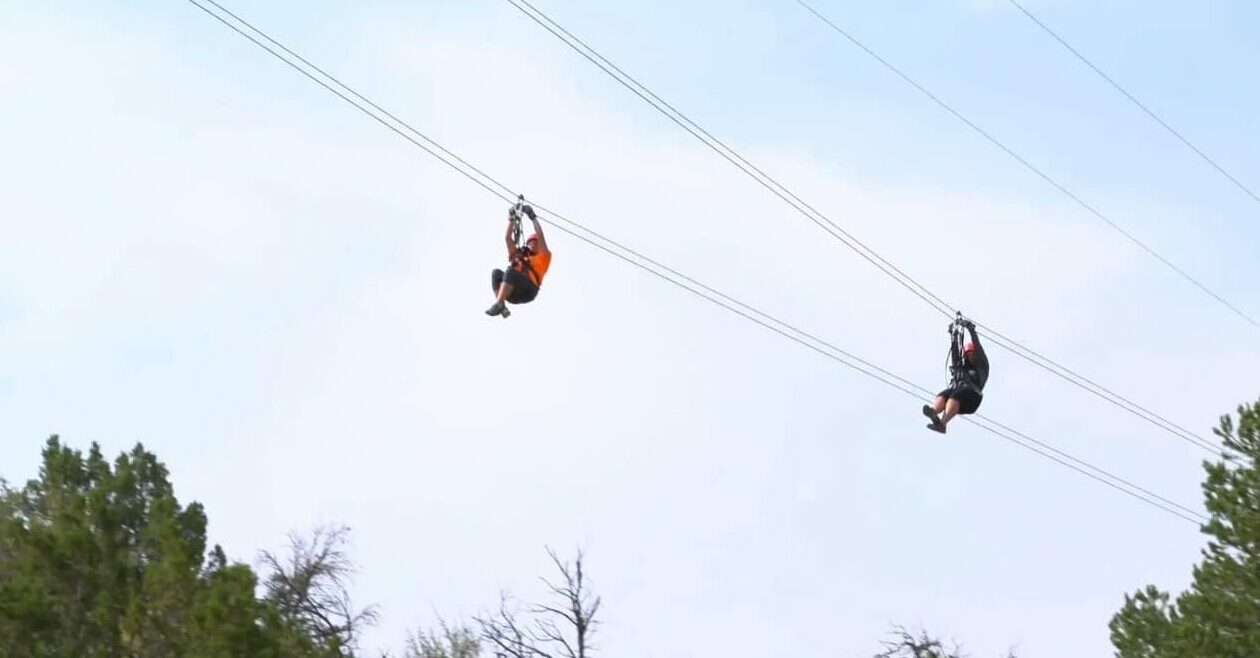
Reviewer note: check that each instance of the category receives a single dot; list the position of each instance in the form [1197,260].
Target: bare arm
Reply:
[507,237]
[975,338]
[542,239]
[981,359]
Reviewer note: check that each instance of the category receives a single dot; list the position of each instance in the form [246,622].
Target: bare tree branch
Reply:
[559,613]
[310,585]
[509,637]
[564,627]
[904,644]
[549,632]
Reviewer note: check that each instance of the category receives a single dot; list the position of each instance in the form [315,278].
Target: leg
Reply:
[951,410]
[499,284]
[932,411]
[505,291]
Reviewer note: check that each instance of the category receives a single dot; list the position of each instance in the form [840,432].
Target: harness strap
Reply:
[523,259]
[522,253]
[956,369]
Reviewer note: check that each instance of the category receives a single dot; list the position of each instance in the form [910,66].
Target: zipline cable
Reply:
[1140,105]
[1030,166]
[824,222]
[720,299]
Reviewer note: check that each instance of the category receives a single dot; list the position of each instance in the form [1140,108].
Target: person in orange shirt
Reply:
[526,267]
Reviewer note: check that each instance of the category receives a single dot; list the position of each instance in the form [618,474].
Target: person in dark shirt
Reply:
[969,372]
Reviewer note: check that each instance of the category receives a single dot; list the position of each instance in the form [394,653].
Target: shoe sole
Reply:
[931,414]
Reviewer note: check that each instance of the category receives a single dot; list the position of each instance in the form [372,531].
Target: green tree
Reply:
[451,642]
[1219,616]
[103,562]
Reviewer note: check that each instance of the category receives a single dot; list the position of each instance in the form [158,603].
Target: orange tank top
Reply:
[537,266]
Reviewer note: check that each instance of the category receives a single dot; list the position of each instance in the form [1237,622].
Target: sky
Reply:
[206,253]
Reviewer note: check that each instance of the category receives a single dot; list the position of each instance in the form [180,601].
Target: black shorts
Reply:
[969,398]
[523,290]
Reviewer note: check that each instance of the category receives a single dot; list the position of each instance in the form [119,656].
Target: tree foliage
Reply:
[100,560]
[1219,615]
[451,642]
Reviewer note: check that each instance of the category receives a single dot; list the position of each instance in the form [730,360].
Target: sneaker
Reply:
[499,308]
[936,427]
[931,414]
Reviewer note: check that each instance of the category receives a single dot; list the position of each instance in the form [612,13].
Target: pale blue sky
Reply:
[207,253]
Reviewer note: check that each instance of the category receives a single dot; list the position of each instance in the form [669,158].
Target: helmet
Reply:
[969,348]
[533,236]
